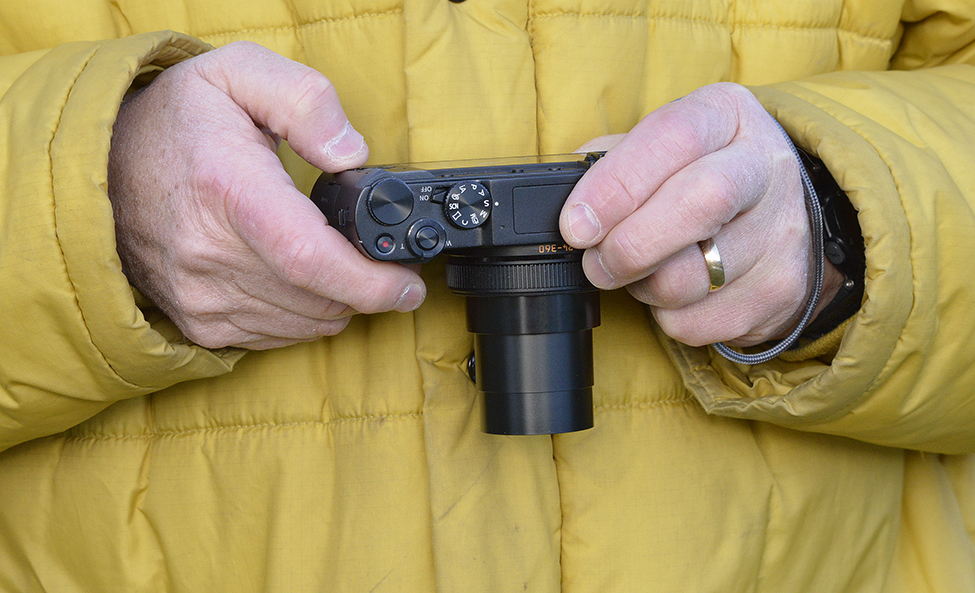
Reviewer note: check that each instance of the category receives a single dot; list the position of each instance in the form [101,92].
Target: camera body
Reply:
[529,303]
[411,213]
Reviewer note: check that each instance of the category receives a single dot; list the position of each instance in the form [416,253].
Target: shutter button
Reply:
[427,238]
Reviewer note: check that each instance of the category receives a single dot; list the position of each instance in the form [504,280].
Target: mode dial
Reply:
[467,205]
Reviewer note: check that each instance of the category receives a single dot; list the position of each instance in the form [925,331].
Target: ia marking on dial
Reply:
[468,205]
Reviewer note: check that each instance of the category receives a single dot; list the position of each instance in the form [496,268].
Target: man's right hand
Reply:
[209,225]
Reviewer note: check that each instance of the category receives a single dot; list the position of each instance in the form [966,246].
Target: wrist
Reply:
[833,281]
[845,267]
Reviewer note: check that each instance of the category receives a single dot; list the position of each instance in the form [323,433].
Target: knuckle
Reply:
[621,190]
[228,55]
[197,326]
[208,339]
[188,252]
[673,323]
[737,327]
[679,140]
[727,98]
[720,191]
[613,192]
[303,263]
[712,205]
[194,304]
[665,291]
[786,297]
[332,327]
[645,292]
[241,47]
[299,261]
[687,328]
[731,93]
[694,327]
[312,93]
[333,310]
[641,291]
[627,249]
[707,119]
[209,180]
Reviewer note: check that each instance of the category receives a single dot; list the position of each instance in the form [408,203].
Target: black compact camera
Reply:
[529,304]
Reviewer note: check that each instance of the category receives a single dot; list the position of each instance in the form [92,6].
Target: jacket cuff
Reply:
[823,348]
[80,340]
[137,354]
[835,396]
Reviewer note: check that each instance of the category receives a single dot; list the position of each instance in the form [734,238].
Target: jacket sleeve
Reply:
[901,143]
[72,338]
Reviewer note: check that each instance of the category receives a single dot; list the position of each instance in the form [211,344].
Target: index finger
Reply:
[663,143]
[291,235]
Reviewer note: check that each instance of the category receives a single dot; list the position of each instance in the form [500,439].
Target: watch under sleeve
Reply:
[842,246]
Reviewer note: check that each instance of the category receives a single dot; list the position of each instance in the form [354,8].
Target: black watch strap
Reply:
[842,246]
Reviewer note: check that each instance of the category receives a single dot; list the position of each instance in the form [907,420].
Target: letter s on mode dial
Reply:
[468,205]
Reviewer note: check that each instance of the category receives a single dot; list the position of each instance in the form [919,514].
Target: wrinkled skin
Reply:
[212,230]
[209,225]
[711,165]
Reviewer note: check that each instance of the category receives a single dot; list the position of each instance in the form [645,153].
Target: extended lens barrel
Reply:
[532,315]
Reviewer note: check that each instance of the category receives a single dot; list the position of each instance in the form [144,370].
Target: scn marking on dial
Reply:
[468,205]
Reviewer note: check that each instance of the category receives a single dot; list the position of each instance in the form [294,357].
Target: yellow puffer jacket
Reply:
[135,461]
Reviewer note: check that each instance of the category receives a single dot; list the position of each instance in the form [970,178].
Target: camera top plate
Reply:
[412,212]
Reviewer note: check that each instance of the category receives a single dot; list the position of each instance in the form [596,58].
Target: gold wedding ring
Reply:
[712,259]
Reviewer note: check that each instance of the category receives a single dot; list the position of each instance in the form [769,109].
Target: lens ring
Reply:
[490,275]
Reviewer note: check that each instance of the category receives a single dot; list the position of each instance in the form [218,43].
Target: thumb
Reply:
[293,101]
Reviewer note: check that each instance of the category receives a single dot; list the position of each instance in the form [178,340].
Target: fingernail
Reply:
[583,224]
[346,145]
[592,263]
[411,298]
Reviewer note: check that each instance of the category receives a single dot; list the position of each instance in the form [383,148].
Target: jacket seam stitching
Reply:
[299,26]
[242,427]
[876,39]
[670,402]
